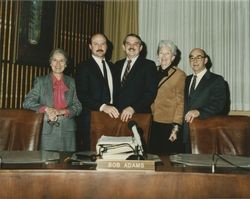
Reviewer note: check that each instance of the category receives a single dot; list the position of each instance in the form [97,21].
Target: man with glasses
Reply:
[205,92]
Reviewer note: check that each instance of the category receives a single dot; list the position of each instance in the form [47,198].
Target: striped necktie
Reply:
[126,72]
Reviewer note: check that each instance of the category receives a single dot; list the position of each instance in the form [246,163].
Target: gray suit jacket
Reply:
[61,138]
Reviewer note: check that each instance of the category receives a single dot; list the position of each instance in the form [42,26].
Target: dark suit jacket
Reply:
[140,87]
[90,88]
[90,84]
[209,97]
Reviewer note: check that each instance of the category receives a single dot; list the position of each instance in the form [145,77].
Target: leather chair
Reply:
[20,129]
[102,124]
[229,135]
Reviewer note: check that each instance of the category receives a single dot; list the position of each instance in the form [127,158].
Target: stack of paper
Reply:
[115,147]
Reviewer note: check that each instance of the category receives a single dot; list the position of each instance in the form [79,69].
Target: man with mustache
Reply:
[136,78]
[95,86]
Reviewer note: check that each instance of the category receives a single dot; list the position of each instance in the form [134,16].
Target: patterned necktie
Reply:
[192,88]
[126,72]
[106,86]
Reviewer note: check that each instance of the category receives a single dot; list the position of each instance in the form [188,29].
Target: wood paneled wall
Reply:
[75,22]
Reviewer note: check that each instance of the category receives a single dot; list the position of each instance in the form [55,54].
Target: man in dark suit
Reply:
[95,86]
[136,79]
[205,92]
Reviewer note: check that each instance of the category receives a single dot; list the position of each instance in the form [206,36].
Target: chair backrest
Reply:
[103,124]
[228,135]
[20,129]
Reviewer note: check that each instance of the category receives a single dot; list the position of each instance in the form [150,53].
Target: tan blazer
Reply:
[168,106]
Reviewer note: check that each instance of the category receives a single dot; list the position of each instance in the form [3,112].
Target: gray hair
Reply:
[167,43]
[60,51]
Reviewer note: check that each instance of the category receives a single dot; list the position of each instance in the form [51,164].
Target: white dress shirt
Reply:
[109,75]
[198,78]
[133,60]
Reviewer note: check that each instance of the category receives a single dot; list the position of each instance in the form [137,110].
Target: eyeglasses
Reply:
[53,123]
[198,58]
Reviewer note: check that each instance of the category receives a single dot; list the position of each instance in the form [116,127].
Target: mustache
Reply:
[99,50]
[131,49]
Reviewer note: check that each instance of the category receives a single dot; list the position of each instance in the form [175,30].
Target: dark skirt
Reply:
[159,140]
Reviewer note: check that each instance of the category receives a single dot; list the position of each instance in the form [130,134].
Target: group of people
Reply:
[131,85]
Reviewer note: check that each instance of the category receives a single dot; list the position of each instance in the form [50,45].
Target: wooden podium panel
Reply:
[79,184]
[53,182]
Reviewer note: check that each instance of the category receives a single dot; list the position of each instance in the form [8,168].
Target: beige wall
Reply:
[247,113]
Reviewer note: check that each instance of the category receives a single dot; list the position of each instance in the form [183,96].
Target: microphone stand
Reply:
[137,155]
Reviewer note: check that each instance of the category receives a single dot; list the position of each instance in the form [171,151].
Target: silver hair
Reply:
[60,51]
[167,43]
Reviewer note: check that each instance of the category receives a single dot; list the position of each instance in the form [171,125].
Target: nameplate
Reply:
[138,165]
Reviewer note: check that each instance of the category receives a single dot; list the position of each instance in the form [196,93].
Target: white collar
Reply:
[98,59]
[201,74]
[132,60]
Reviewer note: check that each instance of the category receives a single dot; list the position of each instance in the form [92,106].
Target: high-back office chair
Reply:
[103,124]
[20,129]
[228,135]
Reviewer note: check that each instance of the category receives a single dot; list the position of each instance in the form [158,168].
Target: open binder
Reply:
[116,147]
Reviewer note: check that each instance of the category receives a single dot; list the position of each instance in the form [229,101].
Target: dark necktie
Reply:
[106,86]
[126,72]
[192,88]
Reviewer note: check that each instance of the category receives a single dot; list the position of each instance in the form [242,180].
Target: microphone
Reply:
[132,125]
[214,162]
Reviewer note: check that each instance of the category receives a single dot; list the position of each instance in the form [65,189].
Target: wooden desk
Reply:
[167,182]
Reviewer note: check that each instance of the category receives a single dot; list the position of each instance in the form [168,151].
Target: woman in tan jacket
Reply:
[168,105]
